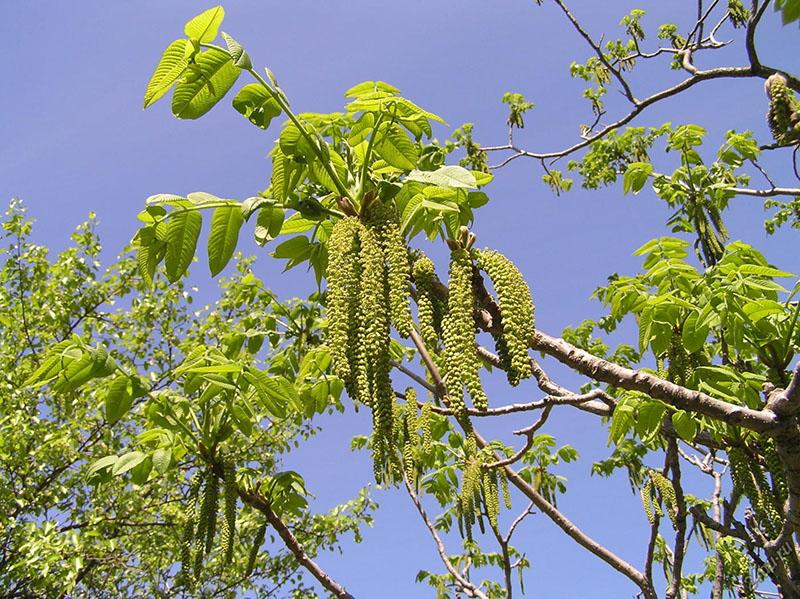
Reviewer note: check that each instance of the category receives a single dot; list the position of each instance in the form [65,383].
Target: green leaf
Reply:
[215,368]
[275,393]
[292,142]
[447,176]
[238,55]
[257,105]
[636,176]
[170,67]
[242,420]
[296,250]
[204,26]
[118,399]
[148,258]
[269,223]
[102,464]
[367,87]
[790,10]
[693,334]
[648,418]
[685,425]
[182,234]
[296,223]
[361,129]
[225,225]
[141,472]
[762,271]
[321,175]
[162,457]
[396,148]
[763,308]
[202,197]
[127,461]
[195,97]
[645,328]
[622,420]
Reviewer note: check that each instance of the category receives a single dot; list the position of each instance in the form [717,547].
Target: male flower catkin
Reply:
[458,327]
[342,294]
[383,220]
[368,289]
[784,110]
[424,273]
[190,520]
[373,298]
[516,309]
[231,491]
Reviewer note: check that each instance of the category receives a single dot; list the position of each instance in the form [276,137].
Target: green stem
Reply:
[281,100]
[365,166]
[788,342]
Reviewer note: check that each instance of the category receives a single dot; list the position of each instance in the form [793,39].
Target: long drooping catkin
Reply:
[516,308]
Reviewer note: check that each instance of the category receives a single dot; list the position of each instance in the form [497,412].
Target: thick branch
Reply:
[657,388]
[767,193]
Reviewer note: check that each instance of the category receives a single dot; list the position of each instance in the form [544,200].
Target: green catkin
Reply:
[258,540]
[368,287]
[373,299]
[677,371]
[410,442]
[491,495]
[647,501]
[424,274]
[460,355]
[784,110]
[740,473]
[667,491]
[342,278]
[738,13]
[766,510]
[213,500]
[776,471]
[504,489]
[517,310]
[426,417]
[231,494]
[206,520]
[190,520]
[398,270]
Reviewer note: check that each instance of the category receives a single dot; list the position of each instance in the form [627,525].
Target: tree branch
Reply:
[257,501]
[465,585]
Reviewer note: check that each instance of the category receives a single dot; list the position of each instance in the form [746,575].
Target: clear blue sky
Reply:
[76,139]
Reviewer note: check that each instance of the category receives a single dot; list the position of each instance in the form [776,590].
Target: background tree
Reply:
[69,529]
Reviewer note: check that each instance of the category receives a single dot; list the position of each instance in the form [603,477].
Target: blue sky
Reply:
[76,139]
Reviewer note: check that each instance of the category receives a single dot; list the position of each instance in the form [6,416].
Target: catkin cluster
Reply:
[368,290]
[652,504]
[516,309]
[258,540]
[200,526]
[480,492]
[458,331]
[750,480]
[190,523]
[783,116]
